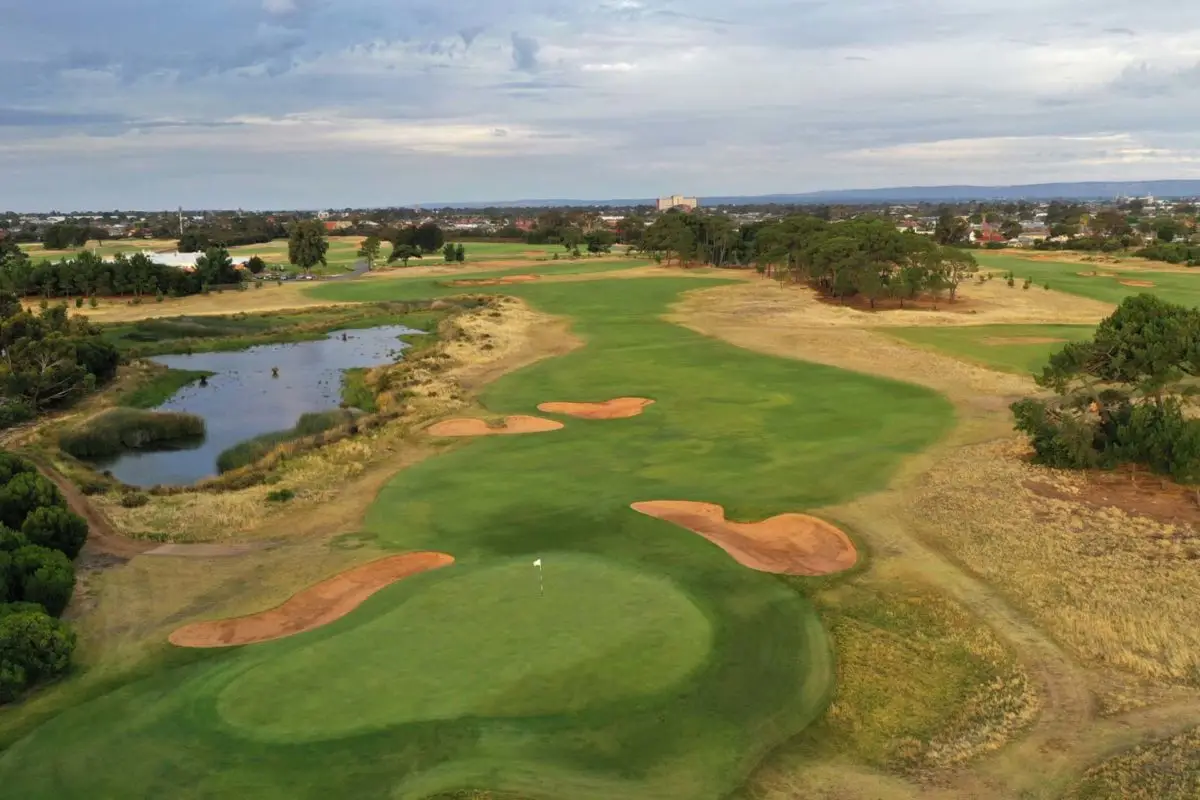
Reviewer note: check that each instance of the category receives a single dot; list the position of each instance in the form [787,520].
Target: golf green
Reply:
[472,645]
[655,666]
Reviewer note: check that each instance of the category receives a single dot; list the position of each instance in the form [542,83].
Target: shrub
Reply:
[57,529]
[134,500]
[280,496]
[11,541]
[121,429]
[14,413]
[79,302]
[24,494]
[251,450]
[12,465]
[43,576]
[34,648]
[93,302]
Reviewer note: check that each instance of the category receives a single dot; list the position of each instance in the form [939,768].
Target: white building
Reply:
[678,201]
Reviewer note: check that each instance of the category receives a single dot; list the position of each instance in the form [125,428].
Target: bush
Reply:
[11,541]
[280,496]
[121,429]
[14,413]
[93,302]
[134,500]
[34,648]
[57,529]
[13,465]
[24,494]
[43,576]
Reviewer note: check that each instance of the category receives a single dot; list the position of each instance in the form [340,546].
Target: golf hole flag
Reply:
[541,580]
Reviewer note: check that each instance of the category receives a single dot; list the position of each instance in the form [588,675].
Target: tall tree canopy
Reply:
[307,244]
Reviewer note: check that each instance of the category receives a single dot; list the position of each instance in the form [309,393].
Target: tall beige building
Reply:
[678,201]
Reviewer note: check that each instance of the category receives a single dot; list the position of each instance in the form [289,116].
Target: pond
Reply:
[243,399]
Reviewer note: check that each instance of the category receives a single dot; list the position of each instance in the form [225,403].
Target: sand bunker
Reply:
[789,544]
[1096,274]
[1137,283]
[480,427]
[496,281]
[620,408]
[316,606]
[999,341]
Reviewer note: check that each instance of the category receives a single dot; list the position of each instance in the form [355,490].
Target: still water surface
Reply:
[243,400]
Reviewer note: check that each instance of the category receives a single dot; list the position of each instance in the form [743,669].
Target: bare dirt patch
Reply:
[1134,492]
[508,279]
[961,305]
[1000,341]
[789,544]
[513,425]
[1096,274]
[619,408]
[319,605]
[1140,284]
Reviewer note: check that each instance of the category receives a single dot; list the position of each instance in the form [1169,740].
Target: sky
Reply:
[146,104]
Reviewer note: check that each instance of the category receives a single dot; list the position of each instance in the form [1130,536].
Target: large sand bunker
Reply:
[789,544]
[619,408]
[1139,284]
[496,281]
[480,427]
[1000,341]
[316,606]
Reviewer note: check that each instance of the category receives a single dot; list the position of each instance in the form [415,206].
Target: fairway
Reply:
[1177,287]
[655,666]
[1020,349]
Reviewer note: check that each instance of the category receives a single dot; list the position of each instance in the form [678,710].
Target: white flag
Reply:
[537,563]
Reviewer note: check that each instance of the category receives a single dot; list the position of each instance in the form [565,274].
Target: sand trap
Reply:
[1137,283]
[1096,274]
[999,341]
[620,408]
[479,427]
[496,281]
[316,606]
[789,544]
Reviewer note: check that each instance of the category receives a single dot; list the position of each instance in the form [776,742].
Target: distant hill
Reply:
[1093,190]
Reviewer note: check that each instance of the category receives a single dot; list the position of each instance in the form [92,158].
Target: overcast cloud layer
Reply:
[327,103]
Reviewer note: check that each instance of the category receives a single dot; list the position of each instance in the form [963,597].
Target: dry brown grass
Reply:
[271,297]
[1165,770]
[1117,589]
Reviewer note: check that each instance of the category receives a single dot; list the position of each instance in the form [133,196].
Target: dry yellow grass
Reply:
[1165,770]
[271,297]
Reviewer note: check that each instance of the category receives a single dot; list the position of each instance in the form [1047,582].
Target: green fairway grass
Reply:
[978,343]
[1177,287]
[655,666]
[501,251]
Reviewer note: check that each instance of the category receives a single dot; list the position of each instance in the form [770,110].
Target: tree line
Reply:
[39,540]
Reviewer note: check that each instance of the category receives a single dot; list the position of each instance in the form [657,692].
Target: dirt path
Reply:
[1069,735]
[103,539]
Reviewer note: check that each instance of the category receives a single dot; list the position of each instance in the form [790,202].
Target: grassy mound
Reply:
[251,450]
[161,387]
[121,429]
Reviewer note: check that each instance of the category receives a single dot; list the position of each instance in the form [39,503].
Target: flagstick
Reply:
[541,579]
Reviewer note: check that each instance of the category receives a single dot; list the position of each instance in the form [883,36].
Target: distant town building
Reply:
[678,201]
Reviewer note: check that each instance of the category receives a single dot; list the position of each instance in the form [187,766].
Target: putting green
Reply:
[482,643]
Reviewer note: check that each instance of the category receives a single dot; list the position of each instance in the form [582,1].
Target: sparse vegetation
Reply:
[1165,770]
[160,385]
[248,452]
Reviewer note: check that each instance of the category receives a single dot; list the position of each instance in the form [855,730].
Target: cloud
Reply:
[525,52]
[600,98]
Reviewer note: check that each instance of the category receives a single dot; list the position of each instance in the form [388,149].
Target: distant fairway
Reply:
[1178,287]
[1008,348]
[655,667]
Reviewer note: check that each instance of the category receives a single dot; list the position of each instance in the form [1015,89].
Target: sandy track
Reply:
[478,427]
[619,408]
[789,544]
[319,605]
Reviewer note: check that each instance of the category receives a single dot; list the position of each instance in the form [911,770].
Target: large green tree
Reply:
[33,648]
[369,251]
[307,244]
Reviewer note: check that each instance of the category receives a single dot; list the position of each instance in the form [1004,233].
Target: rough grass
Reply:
[1166,770]
[157,386]
[248,452]
[357,392]
[120,429]
[757,434]
[1175,286]
[984,345]
[1117,589]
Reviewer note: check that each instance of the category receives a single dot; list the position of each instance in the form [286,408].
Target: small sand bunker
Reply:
[316,606]
[789,544]
[496,281]
[1096,274]
[480,427]
[619,408]
[1146,284]
[1000,341]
